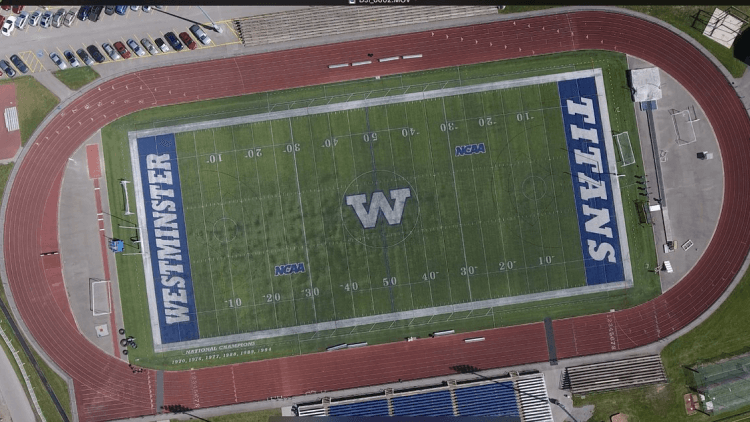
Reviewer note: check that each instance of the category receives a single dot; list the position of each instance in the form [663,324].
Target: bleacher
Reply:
[496,399]
[437,403]
[517,397]
[364,408]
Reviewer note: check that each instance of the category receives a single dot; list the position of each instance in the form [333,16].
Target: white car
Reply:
[58,61]
[8,26]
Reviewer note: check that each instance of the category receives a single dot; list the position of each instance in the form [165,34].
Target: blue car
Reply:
[121,10]
[173,41]
[83,13]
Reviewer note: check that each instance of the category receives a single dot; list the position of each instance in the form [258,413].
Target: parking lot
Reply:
[34,43]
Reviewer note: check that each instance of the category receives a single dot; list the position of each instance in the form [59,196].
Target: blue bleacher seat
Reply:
[497,399]
[437,403]
[367,408]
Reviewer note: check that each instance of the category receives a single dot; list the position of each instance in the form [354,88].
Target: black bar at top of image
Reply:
[57,3]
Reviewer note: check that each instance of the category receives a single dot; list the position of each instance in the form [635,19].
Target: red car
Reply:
[120,47]
[2,20]
[17,9]
[5,7]
[187,40]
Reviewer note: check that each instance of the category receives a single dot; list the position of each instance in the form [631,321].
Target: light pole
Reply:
[216,27]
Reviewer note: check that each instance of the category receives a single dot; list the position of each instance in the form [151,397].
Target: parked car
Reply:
[109,10]
[135,8]
[8,26]
[57,18]
[85,57]
[200,35]
[2,19]
[150,47]
[185,37]
[95,12]
[46,19]
[120,47]
[17,9]
[19,64]
[5,66]
[83,13]
[121,10]
[58,61]
[71,58]
[70,17]
[114,55]
[35,17]
[135,47]
[5,7]
[22,20]
[96,54]
[161,44]
[173,41]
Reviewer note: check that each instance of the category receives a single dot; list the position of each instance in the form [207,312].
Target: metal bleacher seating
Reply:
[437,403]
[496,399]
[366,408]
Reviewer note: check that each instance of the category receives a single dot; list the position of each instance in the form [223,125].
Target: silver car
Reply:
[202,37]
[71,58]
[22,20]
[58,61]
[70,17]
[57,18]
[35,17]
[46,20]
[136,48]
[111,52]
[150,47]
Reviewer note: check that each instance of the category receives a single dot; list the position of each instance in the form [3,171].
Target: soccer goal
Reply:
[626,149]
[99,291]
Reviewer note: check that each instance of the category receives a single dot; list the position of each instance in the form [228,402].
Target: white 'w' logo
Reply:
[379,203]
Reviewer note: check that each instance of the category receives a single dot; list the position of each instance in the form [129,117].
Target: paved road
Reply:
[14,405]
[34,44]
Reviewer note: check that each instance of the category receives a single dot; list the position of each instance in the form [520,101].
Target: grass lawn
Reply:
[726,333]
[59,385]
[76,77]
[34,103]
[681,17]
[258,416]
[130,268]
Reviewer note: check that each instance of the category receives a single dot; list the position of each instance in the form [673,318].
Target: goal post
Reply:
[626,149]
[100,302]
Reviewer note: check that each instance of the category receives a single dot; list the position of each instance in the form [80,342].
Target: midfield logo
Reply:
[378,203]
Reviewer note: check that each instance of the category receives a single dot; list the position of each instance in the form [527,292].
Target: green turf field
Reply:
[498,223]
[515,209]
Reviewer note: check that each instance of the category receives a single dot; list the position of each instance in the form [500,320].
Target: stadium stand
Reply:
[615,375]
[523,397]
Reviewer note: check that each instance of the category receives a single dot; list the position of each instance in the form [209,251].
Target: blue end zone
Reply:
[167,238]
[592,186]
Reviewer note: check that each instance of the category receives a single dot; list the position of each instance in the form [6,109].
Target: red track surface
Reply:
[106,388]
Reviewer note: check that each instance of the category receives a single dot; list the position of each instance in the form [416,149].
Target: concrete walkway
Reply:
[14,404]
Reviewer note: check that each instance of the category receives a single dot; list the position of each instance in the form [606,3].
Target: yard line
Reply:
[458,205]
[515,193]
[320,201]
[536,201]
[476,195]
[283,223]
[494,195]
[244,232]
[205,231]
[406,250]
[304,232]
[437,200]
[421,226]
[224,215]
[265,234]
[367,261]
[554,192]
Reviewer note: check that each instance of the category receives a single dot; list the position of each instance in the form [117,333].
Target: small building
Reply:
[645,84]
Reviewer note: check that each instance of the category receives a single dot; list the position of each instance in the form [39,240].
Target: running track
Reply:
[105,388]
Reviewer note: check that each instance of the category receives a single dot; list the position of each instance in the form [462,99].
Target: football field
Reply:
[381,207]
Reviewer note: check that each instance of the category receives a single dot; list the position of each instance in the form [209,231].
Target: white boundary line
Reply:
[145,252]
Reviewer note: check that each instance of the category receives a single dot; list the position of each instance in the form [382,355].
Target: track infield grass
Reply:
[388,122]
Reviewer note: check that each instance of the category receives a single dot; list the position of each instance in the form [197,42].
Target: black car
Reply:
[20,65]
[5,66]
[85,57]
[95,12]
[109,10]
[95,53]
[83,12]
[173,41]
